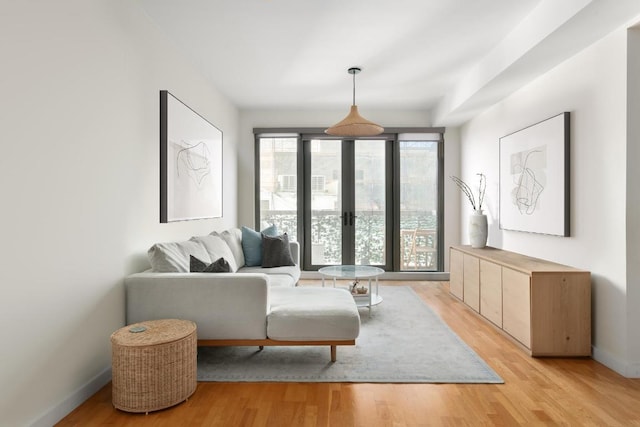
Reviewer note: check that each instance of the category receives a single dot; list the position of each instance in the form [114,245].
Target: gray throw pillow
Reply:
[276,251]
[218,266]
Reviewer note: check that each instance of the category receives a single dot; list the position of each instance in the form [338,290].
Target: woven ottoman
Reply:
[154,364]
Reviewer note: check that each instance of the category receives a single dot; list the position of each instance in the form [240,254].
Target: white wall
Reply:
[452,197]
[79,183]
[633,198]
[592,87]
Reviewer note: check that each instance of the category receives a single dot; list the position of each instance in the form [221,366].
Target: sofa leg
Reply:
[260,348]
[333,353]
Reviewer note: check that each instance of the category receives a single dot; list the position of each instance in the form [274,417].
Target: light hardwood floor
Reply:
[537,391]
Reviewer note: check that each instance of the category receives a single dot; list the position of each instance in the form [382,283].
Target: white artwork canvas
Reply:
[191,163]
[534,178]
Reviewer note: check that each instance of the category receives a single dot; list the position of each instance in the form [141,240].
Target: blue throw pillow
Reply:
[252,244]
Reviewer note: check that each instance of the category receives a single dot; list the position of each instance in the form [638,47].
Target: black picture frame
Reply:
[535,178]
[190,163]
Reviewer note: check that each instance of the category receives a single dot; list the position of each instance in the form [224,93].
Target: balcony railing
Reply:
[418,237]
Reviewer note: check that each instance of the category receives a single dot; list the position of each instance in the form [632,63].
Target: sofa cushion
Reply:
[309,314]
[217,248]
[276,251]
[252,244]
[281,281]
[293,272]
[218,266]
[233,239]
[173,257]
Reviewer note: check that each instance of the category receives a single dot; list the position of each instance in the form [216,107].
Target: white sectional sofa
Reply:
[249,305]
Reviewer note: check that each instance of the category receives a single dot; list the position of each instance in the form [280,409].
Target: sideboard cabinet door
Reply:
[456,273]
[516,305]
[491,291]
[472,282]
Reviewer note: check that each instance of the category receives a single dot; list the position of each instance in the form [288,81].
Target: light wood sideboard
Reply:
[545,306]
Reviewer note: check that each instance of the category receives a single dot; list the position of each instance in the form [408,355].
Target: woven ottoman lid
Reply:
[153,332]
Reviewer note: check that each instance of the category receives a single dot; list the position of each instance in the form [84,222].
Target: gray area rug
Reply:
[403,341]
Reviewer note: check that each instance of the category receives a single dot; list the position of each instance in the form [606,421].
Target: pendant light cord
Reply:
[354,88]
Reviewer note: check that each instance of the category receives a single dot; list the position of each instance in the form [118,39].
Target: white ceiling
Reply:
[450,57]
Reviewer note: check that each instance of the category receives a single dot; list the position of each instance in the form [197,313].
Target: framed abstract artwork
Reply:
[534,178]
[190,163]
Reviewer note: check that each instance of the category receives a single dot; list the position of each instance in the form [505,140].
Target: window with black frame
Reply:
[355,201]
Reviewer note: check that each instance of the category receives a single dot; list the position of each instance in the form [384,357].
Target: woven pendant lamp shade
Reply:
[354,124]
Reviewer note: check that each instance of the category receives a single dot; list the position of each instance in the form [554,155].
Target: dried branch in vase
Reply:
[482,186]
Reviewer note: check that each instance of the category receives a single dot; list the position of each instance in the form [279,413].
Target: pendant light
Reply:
[354,124]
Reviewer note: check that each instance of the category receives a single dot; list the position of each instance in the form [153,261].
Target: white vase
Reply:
[478,229]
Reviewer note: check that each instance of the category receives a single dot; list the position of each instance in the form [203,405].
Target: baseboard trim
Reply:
[64,408]
[633,371]
[626,369]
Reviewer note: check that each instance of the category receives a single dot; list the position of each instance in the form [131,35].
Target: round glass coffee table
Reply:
[354,273]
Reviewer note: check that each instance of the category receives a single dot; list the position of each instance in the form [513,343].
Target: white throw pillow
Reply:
[233,238]
[173,257]
[217,248]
